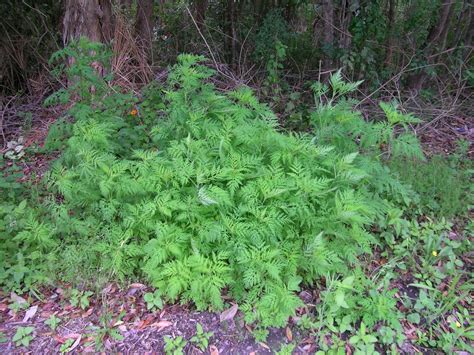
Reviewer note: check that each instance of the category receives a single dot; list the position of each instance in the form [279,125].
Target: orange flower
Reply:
[134,112]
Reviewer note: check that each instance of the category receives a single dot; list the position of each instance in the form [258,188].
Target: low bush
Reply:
[202,194]
[217,199]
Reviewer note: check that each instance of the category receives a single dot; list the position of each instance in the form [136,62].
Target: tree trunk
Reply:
[444,33]
[89,18]
[389,39]
[231,33]
[470,30]
[144,26]
[443,21]
[436,38]
[125,4]
[200,9]
[106,20]
[346,18]
[463,21]
[82,18]
[328,31]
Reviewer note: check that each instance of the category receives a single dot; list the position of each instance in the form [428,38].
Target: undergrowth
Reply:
[444,185]
[202,194]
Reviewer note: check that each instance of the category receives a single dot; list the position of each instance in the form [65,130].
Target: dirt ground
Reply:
[143,331]
[123,311]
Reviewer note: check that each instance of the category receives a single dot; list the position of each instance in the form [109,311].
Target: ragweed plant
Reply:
[201,193]
[215,199]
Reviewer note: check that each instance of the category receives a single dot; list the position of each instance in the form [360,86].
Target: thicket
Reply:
[404,43]
[201,193]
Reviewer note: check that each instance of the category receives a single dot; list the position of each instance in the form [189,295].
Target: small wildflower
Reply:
[458,324]
[134,112]
[435,253]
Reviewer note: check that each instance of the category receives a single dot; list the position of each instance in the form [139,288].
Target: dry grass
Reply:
[129,62]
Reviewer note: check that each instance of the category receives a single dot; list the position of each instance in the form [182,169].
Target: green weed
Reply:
[66,345]
[52,322]
[23,336]
[153,300]
[201,339]
[174,346]
[80,298]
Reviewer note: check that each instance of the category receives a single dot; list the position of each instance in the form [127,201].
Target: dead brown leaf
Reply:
[137,285]
[72,336]
[161,324]
[144,322]
[229,313]
[75,344]
[46,314]
[62,338]
[17,299]
[107,289]
[88,312]
[213,349]
[289,334]
[30,313]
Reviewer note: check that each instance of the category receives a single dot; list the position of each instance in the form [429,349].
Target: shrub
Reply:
[200,192]
[23,238]
[218,199]
[273,30]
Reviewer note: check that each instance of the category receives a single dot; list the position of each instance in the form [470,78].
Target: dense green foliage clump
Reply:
[200,193]
[444,185]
